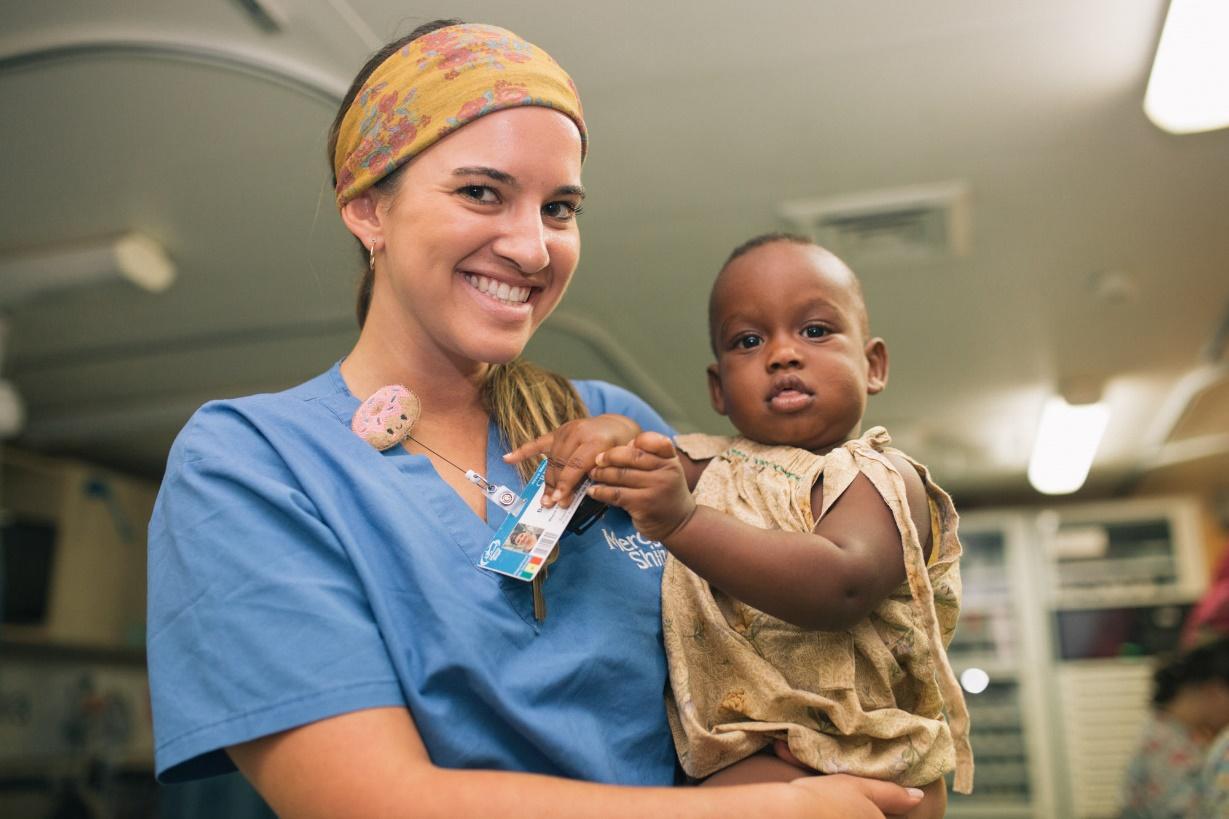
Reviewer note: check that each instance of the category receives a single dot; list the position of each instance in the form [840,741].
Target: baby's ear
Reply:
[876,366]
[714,389]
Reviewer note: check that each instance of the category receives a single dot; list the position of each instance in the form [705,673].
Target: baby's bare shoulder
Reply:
[915,494]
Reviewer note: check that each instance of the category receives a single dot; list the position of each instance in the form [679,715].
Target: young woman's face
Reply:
[479,240]
[794,365]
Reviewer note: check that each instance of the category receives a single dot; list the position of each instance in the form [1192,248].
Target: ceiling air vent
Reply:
[914,224]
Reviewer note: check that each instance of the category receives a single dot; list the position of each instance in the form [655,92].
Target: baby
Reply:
[813,582]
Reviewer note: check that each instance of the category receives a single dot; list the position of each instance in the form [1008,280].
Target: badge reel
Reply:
[524,542]
[496,493]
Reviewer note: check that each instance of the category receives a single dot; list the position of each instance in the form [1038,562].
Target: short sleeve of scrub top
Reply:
[296,574]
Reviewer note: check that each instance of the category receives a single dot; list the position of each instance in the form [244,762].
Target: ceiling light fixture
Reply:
[1187,92]
[12,408]
[974,680]
[1067,440]
[133,257]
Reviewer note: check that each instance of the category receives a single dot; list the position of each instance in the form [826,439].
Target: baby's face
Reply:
[794,365]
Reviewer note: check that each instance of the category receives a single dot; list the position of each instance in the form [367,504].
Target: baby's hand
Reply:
[646,479]
[571,451]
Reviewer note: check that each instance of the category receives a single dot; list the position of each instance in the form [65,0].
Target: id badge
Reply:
[524,542]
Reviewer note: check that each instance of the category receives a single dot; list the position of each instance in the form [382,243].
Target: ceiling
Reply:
[1097,254]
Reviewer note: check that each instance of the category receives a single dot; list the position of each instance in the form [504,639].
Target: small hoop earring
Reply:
[371,256]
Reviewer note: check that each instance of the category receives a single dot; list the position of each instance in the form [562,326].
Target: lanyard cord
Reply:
[498,494]
[436,454]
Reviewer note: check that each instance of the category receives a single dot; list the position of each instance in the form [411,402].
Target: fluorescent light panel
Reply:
[1188,91]
[1067,440]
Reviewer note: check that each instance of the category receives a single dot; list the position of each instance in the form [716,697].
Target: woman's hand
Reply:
[934,799]
[646,479]
[853,797]
[571,451]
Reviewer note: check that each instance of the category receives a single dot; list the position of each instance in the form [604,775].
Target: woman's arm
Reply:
[372,763]
[827,579]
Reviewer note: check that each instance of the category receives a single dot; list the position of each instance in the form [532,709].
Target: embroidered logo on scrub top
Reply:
[645,553]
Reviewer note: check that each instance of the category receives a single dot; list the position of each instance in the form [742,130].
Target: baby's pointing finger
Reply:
[565,476]
[537,446]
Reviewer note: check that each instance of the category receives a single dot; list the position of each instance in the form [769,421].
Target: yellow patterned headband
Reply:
[434,85]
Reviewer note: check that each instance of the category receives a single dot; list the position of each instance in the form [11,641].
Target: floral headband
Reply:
[433,86]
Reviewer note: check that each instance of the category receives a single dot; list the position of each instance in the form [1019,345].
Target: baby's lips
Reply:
[788,383]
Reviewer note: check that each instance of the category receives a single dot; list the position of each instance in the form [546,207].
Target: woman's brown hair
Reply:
[526,401]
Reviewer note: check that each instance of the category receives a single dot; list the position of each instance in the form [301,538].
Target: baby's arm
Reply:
[571,450]
[827,579]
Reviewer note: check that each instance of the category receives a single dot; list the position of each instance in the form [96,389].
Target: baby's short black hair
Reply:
[768,239]
[1205,663]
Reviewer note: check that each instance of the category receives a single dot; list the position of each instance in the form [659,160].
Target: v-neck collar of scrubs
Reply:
[470,533]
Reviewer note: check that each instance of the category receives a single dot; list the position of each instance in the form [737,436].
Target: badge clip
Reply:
[498,494]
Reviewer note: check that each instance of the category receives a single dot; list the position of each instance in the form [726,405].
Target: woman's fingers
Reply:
[860,797]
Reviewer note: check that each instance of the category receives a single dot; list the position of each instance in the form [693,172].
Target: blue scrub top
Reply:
[296,573]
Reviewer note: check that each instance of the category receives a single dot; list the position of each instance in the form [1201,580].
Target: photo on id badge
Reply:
[524,542]
[523,538]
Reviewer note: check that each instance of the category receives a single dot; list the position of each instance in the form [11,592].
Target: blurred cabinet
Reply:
[1063,615]
[58,709]
[75,725]
[1102,709]
[995,654]
[1120,578]
[72,553]
[1125,553]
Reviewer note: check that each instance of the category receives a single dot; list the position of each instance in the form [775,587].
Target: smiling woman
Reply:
[456,238]
[317,614]
[369,172]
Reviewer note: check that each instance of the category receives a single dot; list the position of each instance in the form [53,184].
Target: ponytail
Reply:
[528,401]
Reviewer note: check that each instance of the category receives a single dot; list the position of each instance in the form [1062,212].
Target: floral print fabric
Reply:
[1162,779]
[433,86]
[1214,780]
[868,701]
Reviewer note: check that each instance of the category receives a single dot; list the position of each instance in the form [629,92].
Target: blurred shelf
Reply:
[970,807]
[16,646]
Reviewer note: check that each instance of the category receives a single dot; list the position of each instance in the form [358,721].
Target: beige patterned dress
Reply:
[878,700]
